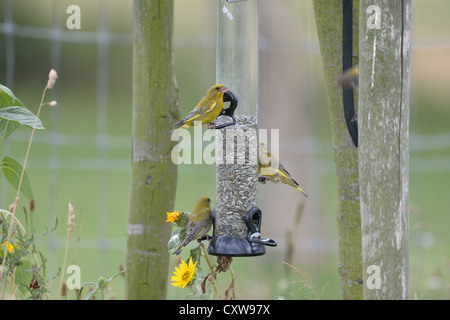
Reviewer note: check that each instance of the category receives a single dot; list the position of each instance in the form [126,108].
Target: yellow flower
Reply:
[9,246]
[172,216]
[184,274]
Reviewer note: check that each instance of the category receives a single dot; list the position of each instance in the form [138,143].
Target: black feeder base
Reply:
[234,247]
[253,245]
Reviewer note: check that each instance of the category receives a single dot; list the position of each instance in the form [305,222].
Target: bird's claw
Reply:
[207,237]
[262,179]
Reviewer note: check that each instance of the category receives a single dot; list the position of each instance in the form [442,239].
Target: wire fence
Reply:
[104,143]
[103,39]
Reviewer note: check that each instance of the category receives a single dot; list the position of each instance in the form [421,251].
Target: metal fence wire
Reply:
[101,140]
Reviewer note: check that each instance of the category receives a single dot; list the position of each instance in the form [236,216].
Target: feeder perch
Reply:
[252,245]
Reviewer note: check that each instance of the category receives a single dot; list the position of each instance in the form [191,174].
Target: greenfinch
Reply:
[206,111]
[350,79]
[270,168]
[199,222]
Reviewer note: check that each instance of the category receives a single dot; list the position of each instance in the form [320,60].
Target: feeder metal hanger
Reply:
[229,112]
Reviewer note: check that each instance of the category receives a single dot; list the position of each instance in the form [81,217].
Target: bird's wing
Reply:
[184,120]
[196,231]
[193,113]
[203,110]
[198,113]
[286,176]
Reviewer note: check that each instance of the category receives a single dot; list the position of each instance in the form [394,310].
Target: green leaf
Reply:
[115,276]
[7,99]
[182,220]
[23,276]
[196,254]
[7,128]
[176,239]
[21,115]
[12,171]
[92,293]
[79,293]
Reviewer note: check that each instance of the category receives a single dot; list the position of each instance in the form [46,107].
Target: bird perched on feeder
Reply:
[199,222]
[270,168]
[206,110]
[350,79]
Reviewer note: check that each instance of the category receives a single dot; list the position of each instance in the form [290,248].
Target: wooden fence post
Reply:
[153,174]
[329,22]
[383,119]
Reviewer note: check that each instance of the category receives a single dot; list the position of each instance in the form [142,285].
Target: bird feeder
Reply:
[237,219]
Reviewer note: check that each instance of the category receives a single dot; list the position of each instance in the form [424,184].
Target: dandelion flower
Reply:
[184,274]
[8,246]
[172,216]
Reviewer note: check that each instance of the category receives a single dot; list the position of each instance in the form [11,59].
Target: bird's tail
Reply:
[291,181]
[301,190]
[180,248]
[179,124]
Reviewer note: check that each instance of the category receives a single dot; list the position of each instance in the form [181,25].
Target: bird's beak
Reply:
[224,89]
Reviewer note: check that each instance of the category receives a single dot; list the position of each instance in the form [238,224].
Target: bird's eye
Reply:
[217,88]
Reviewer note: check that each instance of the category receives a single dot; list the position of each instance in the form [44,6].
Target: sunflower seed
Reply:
[237,167]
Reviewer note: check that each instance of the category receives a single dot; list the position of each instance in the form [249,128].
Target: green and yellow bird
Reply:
[206,111]
[270,168]
[350,79]
[199,222]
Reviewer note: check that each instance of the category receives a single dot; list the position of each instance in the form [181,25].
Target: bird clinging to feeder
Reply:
[270,168]
[199,222]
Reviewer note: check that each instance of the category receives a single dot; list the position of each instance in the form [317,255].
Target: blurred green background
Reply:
[83,156]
